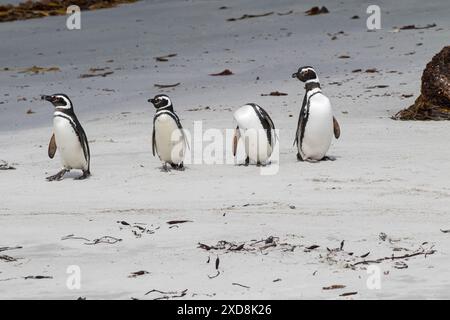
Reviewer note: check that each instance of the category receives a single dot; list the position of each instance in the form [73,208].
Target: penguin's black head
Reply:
[306,74]
[59,100]
[161,101]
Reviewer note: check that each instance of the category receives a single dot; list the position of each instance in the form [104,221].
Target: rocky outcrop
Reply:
[434,100]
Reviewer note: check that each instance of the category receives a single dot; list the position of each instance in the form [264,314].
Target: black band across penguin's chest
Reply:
[170,114]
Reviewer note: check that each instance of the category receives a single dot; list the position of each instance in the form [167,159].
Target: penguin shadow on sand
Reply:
[324,159]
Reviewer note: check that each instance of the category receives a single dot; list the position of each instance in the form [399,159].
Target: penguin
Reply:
[252,120]
[68,137]
[316,123]
[168,139]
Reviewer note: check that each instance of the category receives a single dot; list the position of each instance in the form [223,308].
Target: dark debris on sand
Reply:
[434,100]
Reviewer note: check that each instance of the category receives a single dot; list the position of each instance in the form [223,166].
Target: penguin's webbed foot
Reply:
[262,164]
[246,163]
[58,176]
[85,175]
[299,157]
[328,158]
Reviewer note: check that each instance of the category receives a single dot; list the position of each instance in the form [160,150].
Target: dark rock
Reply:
[434,100]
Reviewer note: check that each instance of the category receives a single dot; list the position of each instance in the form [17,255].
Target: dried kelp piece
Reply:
[214,276]
[225,72]
[418,252]
[240,285]
[9,248]
[334,287]
[348,294]
[400,265]
[37,277]
[414,27]
[7,258]
[285,13]
[250,16]
[138,229]
[378,86]
[171,222]
[97,69]
[164,86]
[40,9]
[217,263]
[274,93]
[168,294]
[5,166]
[166,57]
[251,246]
[104,239]
[91,75]
[36,70]
[364,255]
[316,10]
[138,273]
[205,246]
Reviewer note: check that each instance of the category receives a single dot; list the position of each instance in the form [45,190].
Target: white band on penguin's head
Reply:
[316,80]
[167,99]
[309,68]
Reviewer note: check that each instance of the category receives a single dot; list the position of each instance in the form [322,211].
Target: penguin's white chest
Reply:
[318,130]
[257,145]
[170,143]
[68,145]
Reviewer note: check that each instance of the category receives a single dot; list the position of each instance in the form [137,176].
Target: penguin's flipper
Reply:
[268,125]
[52,147]
[301,121]
[336,128]
[76,125]
[177,120]
[185,138]
[236,137]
